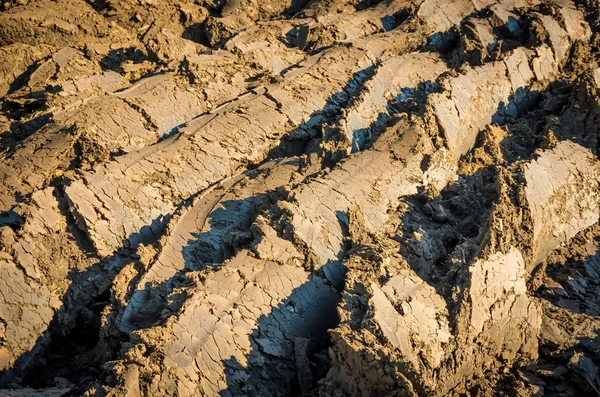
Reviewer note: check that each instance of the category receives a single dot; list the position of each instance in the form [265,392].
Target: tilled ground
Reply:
[293,197]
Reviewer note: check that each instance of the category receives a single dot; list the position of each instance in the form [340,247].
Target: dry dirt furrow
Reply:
[319,223]
[171,259]
[331,198]
[36,262]
[107,201]
[491,315]
[89,126]
[276,178]
[299,197]
[216,78]
[200,234]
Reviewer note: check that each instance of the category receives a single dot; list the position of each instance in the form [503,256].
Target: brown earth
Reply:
[299,198]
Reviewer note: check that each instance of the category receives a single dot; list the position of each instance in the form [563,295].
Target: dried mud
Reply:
[299,198]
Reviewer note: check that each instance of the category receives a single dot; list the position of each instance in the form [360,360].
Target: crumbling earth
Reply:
[307,198]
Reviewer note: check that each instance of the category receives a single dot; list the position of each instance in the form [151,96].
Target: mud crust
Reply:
[307,198]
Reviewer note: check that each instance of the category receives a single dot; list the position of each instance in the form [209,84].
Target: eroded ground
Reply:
[293,197]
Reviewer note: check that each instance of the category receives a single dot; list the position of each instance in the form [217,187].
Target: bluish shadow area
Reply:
[116,57]
[290,344]
[569,340]
[300,36]
[408,101]
[454,50]
[564,110]
[20,130]
[69,347]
